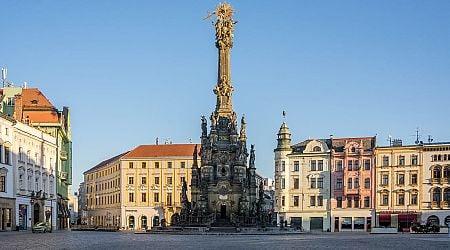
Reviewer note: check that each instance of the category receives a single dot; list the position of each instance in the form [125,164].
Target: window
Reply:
[182,179]
[366,164]
[130,165]
[384,179]
[2,183]
[320,165]
[183,164]
[156,197]
[366,202]
[356,185]
[130,180]
[320,182]
[10,101]
[156,180]
[367,183]
[312,201]
[21,154]
[349,202]
[7,155]
[401,199]
[385,161]
[356,166]
[356,199]
[313,165]
[401,179]
[169,180]
[319,200]
[144,180]
[282,201]
[414,160]
[313,183]
[317,149]
[350,165]
[437,172]
[413,199]
[349,183]
[283,183]
[144,197]
[296,166]
[295,201]
[339,202]
[347,223]
[156,164]
[384,199]
[296,183]
[131,197]
[283,166]
[339,166]
[401,160]
[144,165]
[169,164]
[339,184]
[169,199]
[413,179]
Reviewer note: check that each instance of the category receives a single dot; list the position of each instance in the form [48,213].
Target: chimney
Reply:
[18,108]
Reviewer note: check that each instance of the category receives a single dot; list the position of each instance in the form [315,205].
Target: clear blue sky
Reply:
[132,71]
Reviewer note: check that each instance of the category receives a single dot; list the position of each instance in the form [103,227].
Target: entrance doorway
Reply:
[223,211]
[336,224]
[316,223]
[36,214]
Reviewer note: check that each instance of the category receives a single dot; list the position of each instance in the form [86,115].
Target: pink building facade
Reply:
[352,183]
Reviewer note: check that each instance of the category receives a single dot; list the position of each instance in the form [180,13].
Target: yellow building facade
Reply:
[102,194]
[399,194]
[151,182]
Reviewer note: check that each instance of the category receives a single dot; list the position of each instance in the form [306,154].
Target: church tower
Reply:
[223,187]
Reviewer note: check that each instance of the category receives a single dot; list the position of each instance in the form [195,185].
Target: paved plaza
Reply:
[103,240]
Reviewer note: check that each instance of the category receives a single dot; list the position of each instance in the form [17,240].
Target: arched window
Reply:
[131,222]
[446,172]
[437,173]
[353,149]
[317,149]
[433,220]
[447,195]
[144,222]
[437,196]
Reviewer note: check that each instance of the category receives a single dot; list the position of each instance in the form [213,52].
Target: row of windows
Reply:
[104,186]
[352,183]
[401,160]
[400,199]
[156,164]
[156,180]
[353,201]
[352,165]
[400,179]
[445,157]
[105,172]
[313,201]
[143,197]
[104,200]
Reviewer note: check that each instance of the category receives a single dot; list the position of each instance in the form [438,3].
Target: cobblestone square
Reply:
[102,240]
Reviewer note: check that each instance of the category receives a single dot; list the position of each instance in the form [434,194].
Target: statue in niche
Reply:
[204,124]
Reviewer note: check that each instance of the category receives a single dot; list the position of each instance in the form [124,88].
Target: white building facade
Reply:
[7,196]
[34,157]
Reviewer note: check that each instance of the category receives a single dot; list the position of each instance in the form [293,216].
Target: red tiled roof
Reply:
[164,150]
[105,162]
[33,98]
[41,116]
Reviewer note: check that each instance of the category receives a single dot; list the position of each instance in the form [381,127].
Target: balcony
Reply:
[63,155]
[435,180]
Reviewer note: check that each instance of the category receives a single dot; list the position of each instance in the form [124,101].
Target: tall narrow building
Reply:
[224,187]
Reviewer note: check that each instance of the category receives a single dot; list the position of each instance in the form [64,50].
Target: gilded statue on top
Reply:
[224,25]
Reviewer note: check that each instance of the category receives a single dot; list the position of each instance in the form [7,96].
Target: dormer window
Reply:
[353,150]
[317,149]
[34,102]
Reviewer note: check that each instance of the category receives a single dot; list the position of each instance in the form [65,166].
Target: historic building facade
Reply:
[302,182]
[399,185]
[352,183]
[7,169]
[224,186]
[152,178]
[34,156]
[436,184]
[30,106]
[102,194]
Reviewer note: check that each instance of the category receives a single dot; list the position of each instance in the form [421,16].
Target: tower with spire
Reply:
[223,187]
